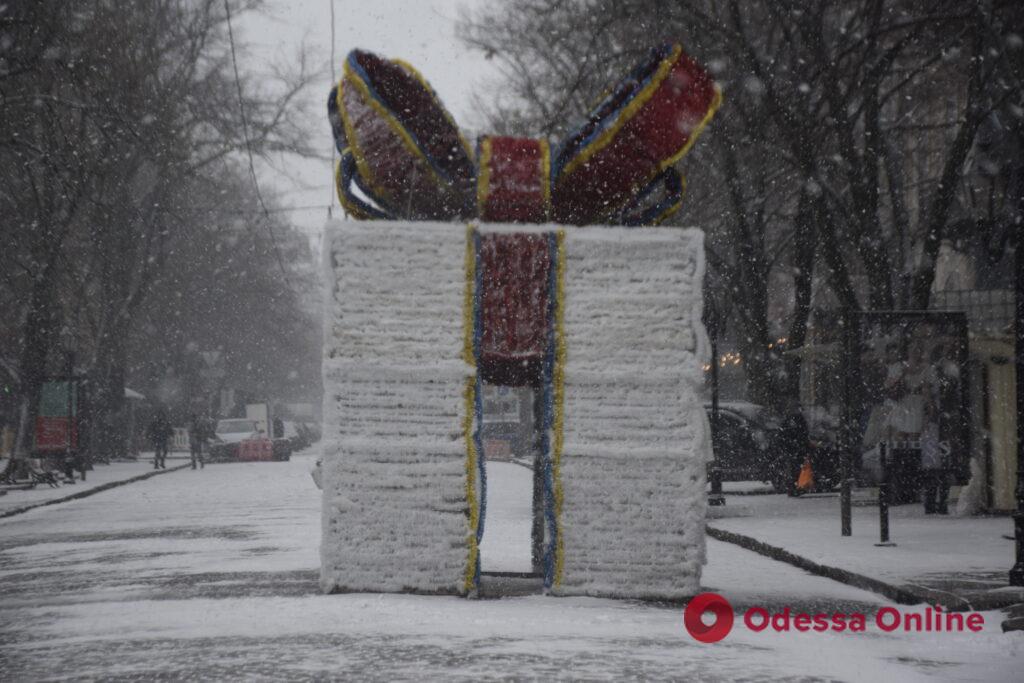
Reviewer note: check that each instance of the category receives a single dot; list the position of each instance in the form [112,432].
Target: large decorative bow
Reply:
[403,152]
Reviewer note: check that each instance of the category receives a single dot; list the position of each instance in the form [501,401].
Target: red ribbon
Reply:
[404,158]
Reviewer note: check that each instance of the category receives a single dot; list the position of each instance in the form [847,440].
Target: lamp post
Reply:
[1015,188]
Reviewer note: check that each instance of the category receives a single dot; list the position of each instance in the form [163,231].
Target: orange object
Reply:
[806,479]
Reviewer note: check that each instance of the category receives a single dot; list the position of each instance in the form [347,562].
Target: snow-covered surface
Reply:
[212,575]
[930,551]
[505,546]
[745,488]
[394,460]
[98,476]
[636,441]
[636,437]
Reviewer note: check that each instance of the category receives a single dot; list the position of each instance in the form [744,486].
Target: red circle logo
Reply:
[719,607]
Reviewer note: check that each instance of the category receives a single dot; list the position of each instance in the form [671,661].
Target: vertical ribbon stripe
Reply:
[514,272]
[558,391]
[472,545]
[471,408]
[553,395]
[478,405]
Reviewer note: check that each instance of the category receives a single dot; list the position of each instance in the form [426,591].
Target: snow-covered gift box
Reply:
[619,347]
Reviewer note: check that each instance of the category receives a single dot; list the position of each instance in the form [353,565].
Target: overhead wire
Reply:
[248,145]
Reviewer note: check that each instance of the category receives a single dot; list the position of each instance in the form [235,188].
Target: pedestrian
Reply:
[906,389]
[934,473]
[160,432]
[791,446]
[935,450]
[197,432]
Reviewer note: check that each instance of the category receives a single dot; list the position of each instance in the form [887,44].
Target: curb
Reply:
[755,492]
[89,492]
[899,594]
[903,594]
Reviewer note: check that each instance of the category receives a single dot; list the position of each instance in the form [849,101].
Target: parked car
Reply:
[226,445]
[227,435]
[742,441]
[235,430]
[746,447]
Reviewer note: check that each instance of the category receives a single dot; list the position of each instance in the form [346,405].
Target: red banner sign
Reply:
[52,434]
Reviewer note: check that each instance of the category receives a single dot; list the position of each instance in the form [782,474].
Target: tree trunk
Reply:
[37,336]
[108,431]
[804,245]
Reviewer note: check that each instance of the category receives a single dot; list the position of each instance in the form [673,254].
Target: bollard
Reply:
[884,493]
[716,497]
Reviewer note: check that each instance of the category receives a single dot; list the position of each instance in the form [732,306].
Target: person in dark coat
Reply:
[197,435]
[791,446]
[160,433]
[934,441]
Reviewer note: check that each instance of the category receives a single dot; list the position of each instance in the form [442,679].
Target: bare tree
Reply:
[113,108]
[814,167]
[222,290]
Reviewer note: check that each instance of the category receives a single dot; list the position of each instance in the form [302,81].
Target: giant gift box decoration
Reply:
[604,323]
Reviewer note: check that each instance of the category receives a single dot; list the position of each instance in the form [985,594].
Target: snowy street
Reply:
[511,340]
[213,574]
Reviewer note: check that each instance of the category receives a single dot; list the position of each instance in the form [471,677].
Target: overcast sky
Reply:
[419,31]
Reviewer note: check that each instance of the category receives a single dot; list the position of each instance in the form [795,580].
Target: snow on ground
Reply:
[212,574]
[505,546]
[99,475]
[932,550]
[744,488]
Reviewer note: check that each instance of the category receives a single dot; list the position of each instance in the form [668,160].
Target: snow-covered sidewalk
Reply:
[99,478]
[212,575]
[955,561]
